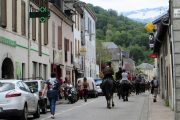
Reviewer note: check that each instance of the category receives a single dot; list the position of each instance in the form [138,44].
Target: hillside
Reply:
[126,33]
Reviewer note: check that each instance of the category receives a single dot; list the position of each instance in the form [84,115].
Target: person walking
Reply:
[155,86]
[52,86]
[85,88]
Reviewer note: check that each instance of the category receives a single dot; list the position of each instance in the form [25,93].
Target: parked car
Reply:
[37,86]
[98,82]
[17,99]
[92,92]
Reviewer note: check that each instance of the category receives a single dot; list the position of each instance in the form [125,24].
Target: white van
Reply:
[93,92]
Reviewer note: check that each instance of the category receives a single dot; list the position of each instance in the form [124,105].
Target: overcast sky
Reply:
[128,5]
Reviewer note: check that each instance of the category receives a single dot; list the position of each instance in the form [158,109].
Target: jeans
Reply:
[52,102]
[155,92]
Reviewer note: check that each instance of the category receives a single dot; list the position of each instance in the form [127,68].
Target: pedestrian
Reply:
[85,88]
[52,86]
[65,88]
[154,87]
[80,90]
[119,74]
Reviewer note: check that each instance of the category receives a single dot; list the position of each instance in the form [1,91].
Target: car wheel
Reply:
[24,114]
[44,109]
[37,114]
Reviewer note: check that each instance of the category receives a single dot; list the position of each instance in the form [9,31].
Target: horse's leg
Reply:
[112,101]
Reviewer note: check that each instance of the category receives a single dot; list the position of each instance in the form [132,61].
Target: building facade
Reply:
[18,45]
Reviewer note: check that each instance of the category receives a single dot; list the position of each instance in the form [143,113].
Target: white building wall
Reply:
[90,57]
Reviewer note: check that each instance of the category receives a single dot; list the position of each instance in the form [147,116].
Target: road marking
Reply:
[75,107]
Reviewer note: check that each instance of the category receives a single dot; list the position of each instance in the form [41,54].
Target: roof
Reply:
[145,66]
[128,64]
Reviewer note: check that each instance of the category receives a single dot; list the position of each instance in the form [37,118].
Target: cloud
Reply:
[127,5]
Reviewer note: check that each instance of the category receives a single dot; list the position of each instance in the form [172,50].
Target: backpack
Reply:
[155,83]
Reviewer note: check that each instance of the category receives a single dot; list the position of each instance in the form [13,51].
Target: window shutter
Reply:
[3,16]
[14,15]
[59,37]
[40,42]
[23,18]
[46,32]
[33,26]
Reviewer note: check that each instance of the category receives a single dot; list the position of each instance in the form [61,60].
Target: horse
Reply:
[125,89]
[108,90]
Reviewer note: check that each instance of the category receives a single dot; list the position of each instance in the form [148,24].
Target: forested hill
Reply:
[126,33]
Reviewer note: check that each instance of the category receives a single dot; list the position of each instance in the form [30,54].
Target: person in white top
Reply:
[124,75]
[125,84]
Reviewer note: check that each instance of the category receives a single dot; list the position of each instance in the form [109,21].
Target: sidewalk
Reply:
[158,110]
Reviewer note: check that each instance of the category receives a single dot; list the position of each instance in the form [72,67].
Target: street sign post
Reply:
[43,12]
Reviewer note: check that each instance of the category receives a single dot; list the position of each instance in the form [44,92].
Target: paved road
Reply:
[137,108]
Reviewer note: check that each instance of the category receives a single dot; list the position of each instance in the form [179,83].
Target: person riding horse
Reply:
[107,84]
[125,83]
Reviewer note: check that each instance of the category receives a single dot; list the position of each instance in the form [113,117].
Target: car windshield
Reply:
[33,85]
[6,86]
[98,81]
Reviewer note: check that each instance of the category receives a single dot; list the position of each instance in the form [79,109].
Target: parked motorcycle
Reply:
[72,95]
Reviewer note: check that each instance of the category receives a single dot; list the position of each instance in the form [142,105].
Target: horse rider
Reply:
[108,73]
[125,83]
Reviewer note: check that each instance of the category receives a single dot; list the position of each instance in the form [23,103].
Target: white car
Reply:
[98,82]
[37,86]
[16,99]
[92,92]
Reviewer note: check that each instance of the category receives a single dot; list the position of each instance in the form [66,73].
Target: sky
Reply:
[127,5]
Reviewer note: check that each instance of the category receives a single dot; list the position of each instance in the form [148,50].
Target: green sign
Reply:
[43,10]
[7,41]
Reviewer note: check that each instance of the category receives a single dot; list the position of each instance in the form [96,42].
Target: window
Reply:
[75,47]
[23,18]
[23,70]
[45,71]
[33,85]
[66,44]
[26,88]
[21,86]
[34,69]
[40,70]
[46,32]
[78,21]
[59,37]
[3,13]
[53,34]
[6,86]
[33,26]
[14,15]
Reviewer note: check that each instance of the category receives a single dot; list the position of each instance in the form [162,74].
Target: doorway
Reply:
[7,69]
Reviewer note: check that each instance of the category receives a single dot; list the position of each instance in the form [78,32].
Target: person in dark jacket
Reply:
[52,86]
[85,88]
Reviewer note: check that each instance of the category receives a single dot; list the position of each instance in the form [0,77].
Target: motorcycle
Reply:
[72,95]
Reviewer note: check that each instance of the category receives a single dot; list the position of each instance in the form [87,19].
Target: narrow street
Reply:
[95,109]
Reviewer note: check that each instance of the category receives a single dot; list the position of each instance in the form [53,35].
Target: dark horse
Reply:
[125,89]
[108,84]
[108,90]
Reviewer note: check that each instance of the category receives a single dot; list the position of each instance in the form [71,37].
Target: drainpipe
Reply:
[29,39]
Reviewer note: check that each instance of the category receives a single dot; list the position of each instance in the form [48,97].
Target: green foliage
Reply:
[122,31]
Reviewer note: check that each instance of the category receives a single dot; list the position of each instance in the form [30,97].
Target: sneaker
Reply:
[52,116]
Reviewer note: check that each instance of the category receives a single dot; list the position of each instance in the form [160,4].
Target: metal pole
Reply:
[29,42]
